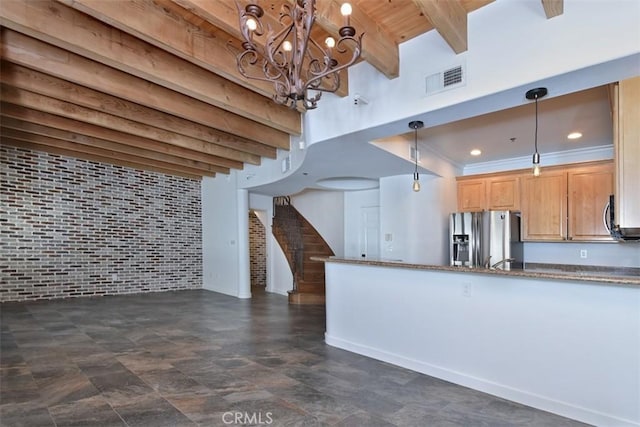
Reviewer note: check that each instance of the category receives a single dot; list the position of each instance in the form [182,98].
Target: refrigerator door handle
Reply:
[605,215]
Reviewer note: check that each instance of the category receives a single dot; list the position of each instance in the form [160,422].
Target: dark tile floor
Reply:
[200,358]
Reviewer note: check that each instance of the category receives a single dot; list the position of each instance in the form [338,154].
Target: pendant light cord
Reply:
[535,141]
[415,133]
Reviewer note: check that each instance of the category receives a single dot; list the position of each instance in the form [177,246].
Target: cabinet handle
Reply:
[605,214]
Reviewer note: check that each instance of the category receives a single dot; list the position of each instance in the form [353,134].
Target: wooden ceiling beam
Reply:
[103,157]
[155,24]
[553,7]
[92,146]
[27,115]
[378,48]
[63,26]
[10,126]
[53,106]
[449,18]
[35,54]
[43,84]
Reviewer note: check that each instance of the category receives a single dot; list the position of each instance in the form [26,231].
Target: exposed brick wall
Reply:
[71,227]
[257,251]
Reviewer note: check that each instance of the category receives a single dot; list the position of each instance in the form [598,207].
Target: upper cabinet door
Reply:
[544,206]
[503,193]
[626,131]
[589,190]
[471,195]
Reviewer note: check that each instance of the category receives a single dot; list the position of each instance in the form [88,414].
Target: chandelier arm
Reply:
[323,61]
[354,58]
[254,58]
[273,47]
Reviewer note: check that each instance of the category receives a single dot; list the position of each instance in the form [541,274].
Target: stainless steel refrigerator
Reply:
[489,239]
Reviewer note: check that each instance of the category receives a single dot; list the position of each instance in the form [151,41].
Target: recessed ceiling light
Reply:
[475,152]
[574,135]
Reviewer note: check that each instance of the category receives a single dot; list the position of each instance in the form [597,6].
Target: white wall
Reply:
[417,222]
[592,43]
[354,201]
[279,277]
[615,254]
[512,47]
[567,347]
[325,211]
[220,235]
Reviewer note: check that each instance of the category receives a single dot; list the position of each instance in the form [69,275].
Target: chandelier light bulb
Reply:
[345,9]
[251,24]
[416,182]
[286,46]
[330,42]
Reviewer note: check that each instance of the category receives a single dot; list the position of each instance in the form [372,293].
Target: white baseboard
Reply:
[520,396]
[279,291]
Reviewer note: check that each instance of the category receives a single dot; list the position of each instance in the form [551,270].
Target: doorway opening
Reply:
[257,253]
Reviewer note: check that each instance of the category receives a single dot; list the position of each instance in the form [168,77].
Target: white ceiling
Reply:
[587,112]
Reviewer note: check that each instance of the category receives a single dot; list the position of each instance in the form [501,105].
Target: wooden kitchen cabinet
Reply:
[567,203]
[471,195]
[496,192]
[503,193]
[544,206]
[588,200]
[626,140]
[564,203]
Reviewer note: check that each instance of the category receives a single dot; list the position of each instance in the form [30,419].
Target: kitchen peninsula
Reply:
[568,343]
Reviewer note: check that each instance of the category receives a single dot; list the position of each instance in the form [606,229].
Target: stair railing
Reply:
[287,220]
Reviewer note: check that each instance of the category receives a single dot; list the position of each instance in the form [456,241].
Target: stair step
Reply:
[313,265]
[319,277]
[310,287]
[306,299]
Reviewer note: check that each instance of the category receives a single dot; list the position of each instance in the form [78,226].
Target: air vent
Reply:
[447,79]
[452,76]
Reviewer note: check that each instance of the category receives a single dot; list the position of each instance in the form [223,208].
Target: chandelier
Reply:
[299,68]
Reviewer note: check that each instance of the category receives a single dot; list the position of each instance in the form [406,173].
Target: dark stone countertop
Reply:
[591,274]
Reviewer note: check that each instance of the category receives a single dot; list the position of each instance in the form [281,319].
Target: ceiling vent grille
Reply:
[447,79]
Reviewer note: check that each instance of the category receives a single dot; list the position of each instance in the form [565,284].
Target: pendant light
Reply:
[415,125]
[535,94]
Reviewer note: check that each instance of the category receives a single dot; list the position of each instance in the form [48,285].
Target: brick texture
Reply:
[70,228]
[257,251]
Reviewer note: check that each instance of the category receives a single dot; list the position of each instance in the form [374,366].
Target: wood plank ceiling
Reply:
[152,84]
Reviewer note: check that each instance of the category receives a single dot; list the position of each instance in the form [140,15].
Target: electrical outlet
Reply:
[583,253]
[467,289]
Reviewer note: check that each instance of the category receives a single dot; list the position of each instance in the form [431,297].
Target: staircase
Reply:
[300,241]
